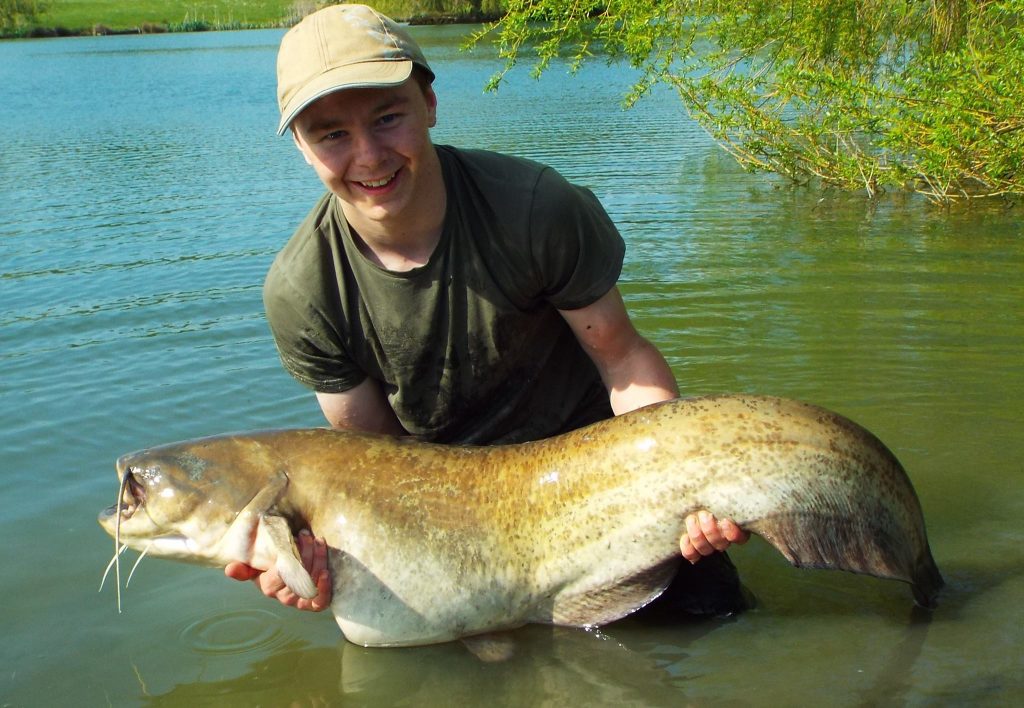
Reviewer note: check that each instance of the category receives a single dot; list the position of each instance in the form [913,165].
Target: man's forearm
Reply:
[642,378]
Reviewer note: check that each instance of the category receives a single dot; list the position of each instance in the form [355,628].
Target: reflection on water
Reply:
[661,666]
[143,195]
[548,665]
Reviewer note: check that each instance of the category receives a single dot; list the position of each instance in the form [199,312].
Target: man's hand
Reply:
[314,559]
[706,535]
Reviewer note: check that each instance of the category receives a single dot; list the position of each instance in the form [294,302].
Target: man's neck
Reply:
[399,255]
[405,241]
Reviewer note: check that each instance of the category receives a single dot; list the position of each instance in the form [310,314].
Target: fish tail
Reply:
[860,544]
[927,580]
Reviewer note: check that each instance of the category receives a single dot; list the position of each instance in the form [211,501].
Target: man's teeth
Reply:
[379,182]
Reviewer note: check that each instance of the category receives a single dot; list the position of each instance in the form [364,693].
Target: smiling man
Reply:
[457,296]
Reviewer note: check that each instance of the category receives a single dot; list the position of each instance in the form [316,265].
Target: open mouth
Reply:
[130,497]
[378,183]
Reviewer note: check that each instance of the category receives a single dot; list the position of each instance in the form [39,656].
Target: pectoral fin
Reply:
[289,564]
[598,601]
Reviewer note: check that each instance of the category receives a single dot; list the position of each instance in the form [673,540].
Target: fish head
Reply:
[194,501]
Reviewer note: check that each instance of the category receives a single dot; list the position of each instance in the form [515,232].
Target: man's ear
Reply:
[299,146]
[431,99]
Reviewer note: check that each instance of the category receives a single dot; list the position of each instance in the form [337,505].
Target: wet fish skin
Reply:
[431,543]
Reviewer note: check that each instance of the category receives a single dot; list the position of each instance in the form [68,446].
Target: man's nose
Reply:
[369,149]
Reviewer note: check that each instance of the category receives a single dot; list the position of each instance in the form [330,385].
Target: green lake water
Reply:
[143,195]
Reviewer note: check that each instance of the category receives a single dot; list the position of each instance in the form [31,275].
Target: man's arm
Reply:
[364,408]
[633,370]
[636,374]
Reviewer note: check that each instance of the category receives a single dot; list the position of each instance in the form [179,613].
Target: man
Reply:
[456,296]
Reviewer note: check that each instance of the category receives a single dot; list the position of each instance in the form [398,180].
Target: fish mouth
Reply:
[131,497]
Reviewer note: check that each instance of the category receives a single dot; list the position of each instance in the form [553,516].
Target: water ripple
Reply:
[235,632]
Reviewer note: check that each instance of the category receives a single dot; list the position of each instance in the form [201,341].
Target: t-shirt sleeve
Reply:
[576,248]
[311,348]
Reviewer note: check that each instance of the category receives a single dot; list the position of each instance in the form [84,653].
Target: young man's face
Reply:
[371,147]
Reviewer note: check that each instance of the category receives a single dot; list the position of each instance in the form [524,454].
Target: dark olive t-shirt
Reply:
[469,347]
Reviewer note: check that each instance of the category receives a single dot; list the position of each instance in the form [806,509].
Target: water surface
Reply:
[143,195]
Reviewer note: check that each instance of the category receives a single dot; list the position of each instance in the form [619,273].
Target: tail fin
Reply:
[927,580]
[861,543]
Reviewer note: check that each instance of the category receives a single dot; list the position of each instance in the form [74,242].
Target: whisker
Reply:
[110,565]
[117,535]
[136,564]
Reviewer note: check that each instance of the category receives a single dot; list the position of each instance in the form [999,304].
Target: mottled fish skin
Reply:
[430,543]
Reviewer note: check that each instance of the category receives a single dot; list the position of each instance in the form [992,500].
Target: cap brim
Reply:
[372,74]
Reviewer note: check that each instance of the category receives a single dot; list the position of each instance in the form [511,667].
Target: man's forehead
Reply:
[351,104]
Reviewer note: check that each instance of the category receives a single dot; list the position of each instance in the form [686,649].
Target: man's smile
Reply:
[378,183]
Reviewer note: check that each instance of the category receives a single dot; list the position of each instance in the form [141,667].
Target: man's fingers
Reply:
[318,556]
[286,597]
[323,577]
[240,571]
[698,542]
[271,585]
[712,531]
[706,535]
[686,548]
[323,595]
[732,532]
[306,548]
[324,591]
[317,568]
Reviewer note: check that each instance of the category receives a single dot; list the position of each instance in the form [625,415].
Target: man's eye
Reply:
[334,135]
[387,119]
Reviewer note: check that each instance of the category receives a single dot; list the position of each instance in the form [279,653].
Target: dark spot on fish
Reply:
[194,466]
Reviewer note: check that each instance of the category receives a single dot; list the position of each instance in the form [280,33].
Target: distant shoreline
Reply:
[101,30]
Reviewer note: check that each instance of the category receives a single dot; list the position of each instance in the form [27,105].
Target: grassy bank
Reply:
[78,17]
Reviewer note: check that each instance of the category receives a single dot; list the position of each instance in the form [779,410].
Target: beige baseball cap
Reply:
[341,47]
